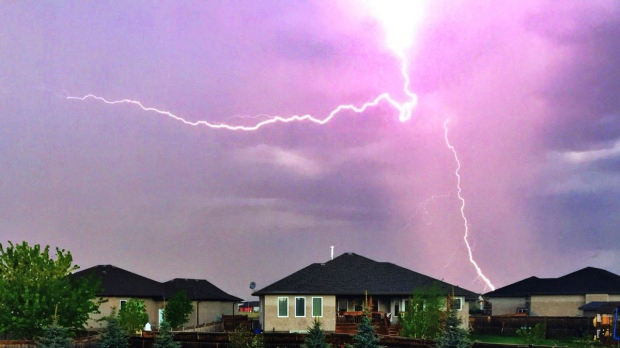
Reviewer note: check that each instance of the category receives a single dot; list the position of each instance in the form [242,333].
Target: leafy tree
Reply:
[422,318]
[316,336]
[178,309]
[54,337]
[454,336]
[165,337]
[114,336]
[34,286]
[132,316]
[244,338]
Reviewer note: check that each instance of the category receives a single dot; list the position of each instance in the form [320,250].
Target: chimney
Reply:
[332,247]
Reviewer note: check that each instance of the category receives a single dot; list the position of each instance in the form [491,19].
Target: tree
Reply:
[453,336]
[114,336]
[34,286]
[132,316]
[54,337]
[365,336]
[422,318]
[178,309]
[165,337]
[316,336]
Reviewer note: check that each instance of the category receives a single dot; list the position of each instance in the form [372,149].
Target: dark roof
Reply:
[352,274]
[600,307]
[197,290]
[588,280]
[117,282]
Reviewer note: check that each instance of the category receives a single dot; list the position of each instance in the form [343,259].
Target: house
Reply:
[335,292]
[119,285]
[568,295]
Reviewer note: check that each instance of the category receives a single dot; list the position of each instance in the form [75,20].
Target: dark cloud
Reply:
[585,85]
[530,90]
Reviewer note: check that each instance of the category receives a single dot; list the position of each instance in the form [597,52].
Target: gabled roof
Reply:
[117,282]
[601,307]
[197,290]
[588,280]
[352,274]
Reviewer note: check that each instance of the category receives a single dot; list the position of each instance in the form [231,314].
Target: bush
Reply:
[243,338]
[55,337]
[532,335]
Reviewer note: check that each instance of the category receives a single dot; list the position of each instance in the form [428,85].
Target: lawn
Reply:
[576,343]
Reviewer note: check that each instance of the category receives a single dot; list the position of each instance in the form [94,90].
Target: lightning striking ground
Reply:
[460,196]
[399,29]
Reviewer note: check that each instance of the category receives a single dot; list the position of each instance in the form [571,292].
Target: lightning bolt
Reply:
[399,28]
[404,109]
[422,207]
[460,196]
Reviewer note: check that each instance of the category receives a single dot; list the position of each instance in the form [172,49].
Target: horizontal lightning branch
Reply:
[404,109]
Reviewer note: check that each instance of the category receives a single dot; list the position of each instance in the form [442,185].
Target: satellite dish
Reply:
[252,285]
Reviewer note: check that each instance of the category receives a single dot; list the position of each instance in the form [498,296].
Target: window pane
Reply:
[317,307]
[283,306]
[456,304]
[300,306]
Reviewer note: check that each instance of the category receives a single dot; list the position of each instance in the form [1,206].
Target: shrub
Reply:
[532,335]
[54,337]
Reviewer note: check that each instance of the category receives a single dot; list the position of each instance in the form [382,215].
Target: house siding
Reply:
[507,305]
[557,306]
[105,309]
[271,321]
[546,305]
[208,311]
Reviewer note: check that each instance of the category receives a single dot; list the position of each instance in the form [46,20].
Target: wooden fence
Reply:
[276,340]
[556,327]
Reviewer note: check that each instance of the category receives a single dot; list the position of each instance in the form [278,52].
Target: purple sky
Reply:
[531,89]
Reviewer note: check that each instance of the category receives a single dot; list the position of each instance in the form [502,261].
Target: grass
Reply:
[252,315]
[573,343]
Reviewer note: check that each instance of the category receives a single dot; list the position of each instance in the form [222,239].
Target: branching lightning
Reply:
[404,109]
[459,194]
[396,16]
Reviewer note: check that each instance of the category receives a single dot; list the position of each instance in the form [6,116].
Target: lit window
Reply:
[300,306]
[317,307]
[282,306]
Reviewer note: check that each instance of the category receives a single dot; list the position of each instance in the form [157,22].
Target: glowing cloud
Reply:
[400,20]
